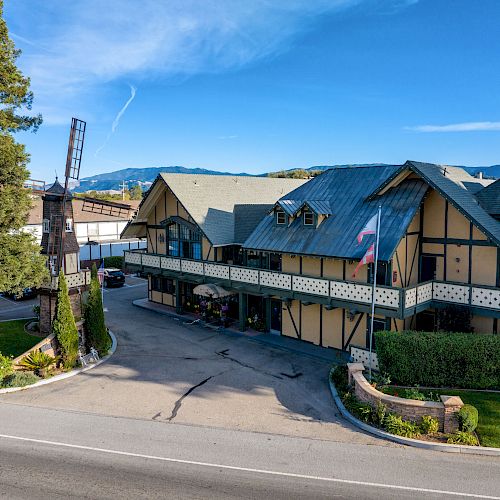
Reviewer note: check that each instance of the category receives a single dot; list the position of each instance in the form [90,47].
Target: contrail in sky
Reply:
[117,119]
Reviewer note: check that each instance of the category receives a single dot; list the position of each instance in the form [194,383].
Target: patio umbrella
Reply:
[212,291]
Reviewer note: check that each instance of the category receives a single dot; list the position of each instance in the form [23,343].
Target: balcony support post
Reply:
[178,299]
[242,311]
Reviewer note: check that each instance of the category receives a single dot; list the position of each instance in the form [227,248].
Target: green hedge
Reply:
[115,261]
[465,360]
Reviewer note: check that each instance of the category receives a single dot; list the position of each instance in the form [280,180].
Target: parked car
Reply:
[27,293]
[113,277]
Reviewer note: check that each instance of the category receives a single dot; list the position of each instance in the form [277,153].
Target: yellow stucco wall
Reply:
[332,328]
[310,323]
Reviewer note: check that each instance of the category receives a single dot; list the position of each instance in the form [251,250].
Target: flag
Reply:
[100,272]
[370,228]
[368,257]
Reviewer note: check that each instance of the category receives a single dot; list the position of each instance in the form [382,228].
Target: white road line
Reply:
[249,469]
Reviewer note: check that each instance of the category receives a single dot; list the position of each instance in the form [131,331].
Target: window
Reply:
[69,225]
[308,218]
[160,284]
[183,241]
[280,217]
[46,226]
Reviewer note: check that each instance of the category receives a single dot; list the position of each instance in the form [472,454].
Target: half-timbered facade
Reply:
[287,249]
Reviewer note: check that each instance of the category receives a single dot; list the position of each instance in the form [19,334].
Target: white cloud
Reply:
[117,119]
[72,47]
[457,127]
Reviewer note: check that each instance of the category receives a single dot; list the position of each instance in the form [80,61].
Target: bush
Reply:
[399,427]
[6,367]
[19,379]
[414,393]
[440,359]
[339,378]
[38,362]
[461,437]
[95,327]
[362,411]
[64,325]
[379,413]
[429,425]
[115,261]
[467,418]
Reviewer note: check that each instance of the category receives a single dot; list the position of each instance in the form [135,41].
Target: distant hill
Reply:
[146,176]
[132,176]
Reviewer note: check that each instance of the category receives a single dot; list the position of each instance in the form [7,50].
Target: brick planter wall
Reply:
[410,409]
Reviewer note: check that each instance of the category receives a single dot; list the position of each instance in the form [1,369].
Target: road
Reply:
[91,437]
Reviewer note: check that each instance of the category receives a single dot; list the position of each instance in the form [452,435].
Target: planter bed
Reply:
[13,338]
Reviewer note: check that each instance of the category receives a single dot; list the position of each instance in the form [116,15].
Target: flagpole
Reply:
[374,290]
[102,284]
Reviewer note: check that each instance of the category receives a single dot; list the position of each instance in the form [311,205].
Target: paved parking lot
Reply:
[166,371]
[14,309]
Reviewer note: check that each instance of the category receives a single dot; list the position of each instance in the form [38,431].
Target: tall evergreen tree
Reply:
[64,325]
[95,326]
[21,264]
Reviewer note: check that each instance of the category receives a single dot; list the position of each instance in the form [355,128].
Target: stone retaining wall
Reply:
[410,409]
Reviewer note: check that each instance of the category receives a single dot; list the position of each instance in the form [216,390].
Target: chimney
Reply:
[479,175]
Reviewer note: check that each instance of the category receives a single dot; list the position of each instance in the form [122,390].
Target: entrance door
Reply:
[275,317]
[428,270]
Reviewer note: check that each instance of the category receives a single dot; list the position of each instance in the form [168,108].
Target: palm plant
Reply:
[38,362]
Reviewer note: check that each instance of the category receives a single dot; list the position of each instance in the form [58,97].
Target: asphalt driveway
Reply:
[166,371]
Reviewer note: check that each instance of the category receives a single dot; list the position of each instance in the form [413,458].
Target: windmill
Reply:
[59,241]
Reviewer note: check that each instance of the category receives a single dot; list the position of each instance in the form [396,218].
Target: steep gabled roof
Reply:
[210,200]
[456,186]
[346,190]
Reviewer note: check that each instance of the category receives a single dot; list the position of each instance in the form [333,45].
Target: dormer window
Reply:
[280,218]
[69,225]
[308,218]
[46,226]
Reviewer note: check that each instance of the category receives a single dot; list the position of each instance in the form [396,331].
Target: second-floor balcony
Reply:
[389,301]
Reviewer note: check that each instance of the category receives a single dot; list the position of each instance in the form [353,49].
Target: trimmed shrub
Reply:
[64,325]
[114,261]
[468,417]
[19,379]
[461,437]
[6,367]
[429,425]
[95,327]
[464,360]
[399,427]
[414,393]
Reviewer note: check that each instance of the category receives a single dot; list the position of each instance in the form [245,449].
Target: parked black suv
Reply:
[113,277]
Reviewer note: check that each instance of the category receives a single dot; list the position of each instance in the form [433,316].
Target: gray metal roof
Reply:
[321,207]
[210,199]
[489,198]
[346,190]
[290,207]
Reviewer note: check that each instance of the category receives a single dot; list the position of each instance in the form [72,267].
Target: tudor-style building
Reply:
[288,249]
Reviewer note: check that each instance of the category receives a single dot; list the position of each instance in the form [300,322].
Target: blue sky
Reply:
[260,85]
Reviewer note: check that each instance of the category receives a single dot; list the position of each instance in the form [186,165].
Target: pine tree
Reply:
[64,325]
[95,326]
[21,264]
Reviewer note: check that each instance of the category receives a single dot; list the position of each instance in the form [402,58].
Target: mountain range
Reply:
[146,176]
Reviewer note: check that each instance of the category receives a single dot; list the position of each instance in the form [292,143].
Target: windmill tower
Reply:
[59,242]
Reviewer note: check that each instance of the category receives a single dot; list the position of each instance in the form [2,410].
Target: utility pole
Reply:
[123,190]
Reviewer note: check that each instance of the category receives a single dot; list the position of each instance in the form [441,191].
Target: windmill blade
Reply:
[75,148]
[105,207]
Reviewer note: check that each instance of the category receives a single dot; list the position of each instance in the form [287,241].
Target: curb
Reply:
[63,376]
[416,443]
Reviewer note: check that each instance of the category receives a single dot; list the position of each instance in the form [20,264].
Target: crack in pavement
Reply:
[223,354]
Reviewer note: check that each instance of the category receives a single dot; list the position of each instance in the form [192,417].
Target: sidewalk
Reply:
[277,341]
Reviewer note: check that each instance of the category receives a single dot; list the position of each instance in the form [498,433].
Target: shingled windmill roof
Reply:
[489,198]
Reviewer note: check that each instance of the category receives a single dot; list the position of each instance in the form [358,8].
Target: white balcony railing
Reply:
[398,299]
[73,280]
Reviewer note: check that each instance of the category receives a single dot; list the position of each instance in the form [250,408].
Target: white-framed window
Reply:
[280,217]
[308,218]
[53,264]
[69,225]
[46,226]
